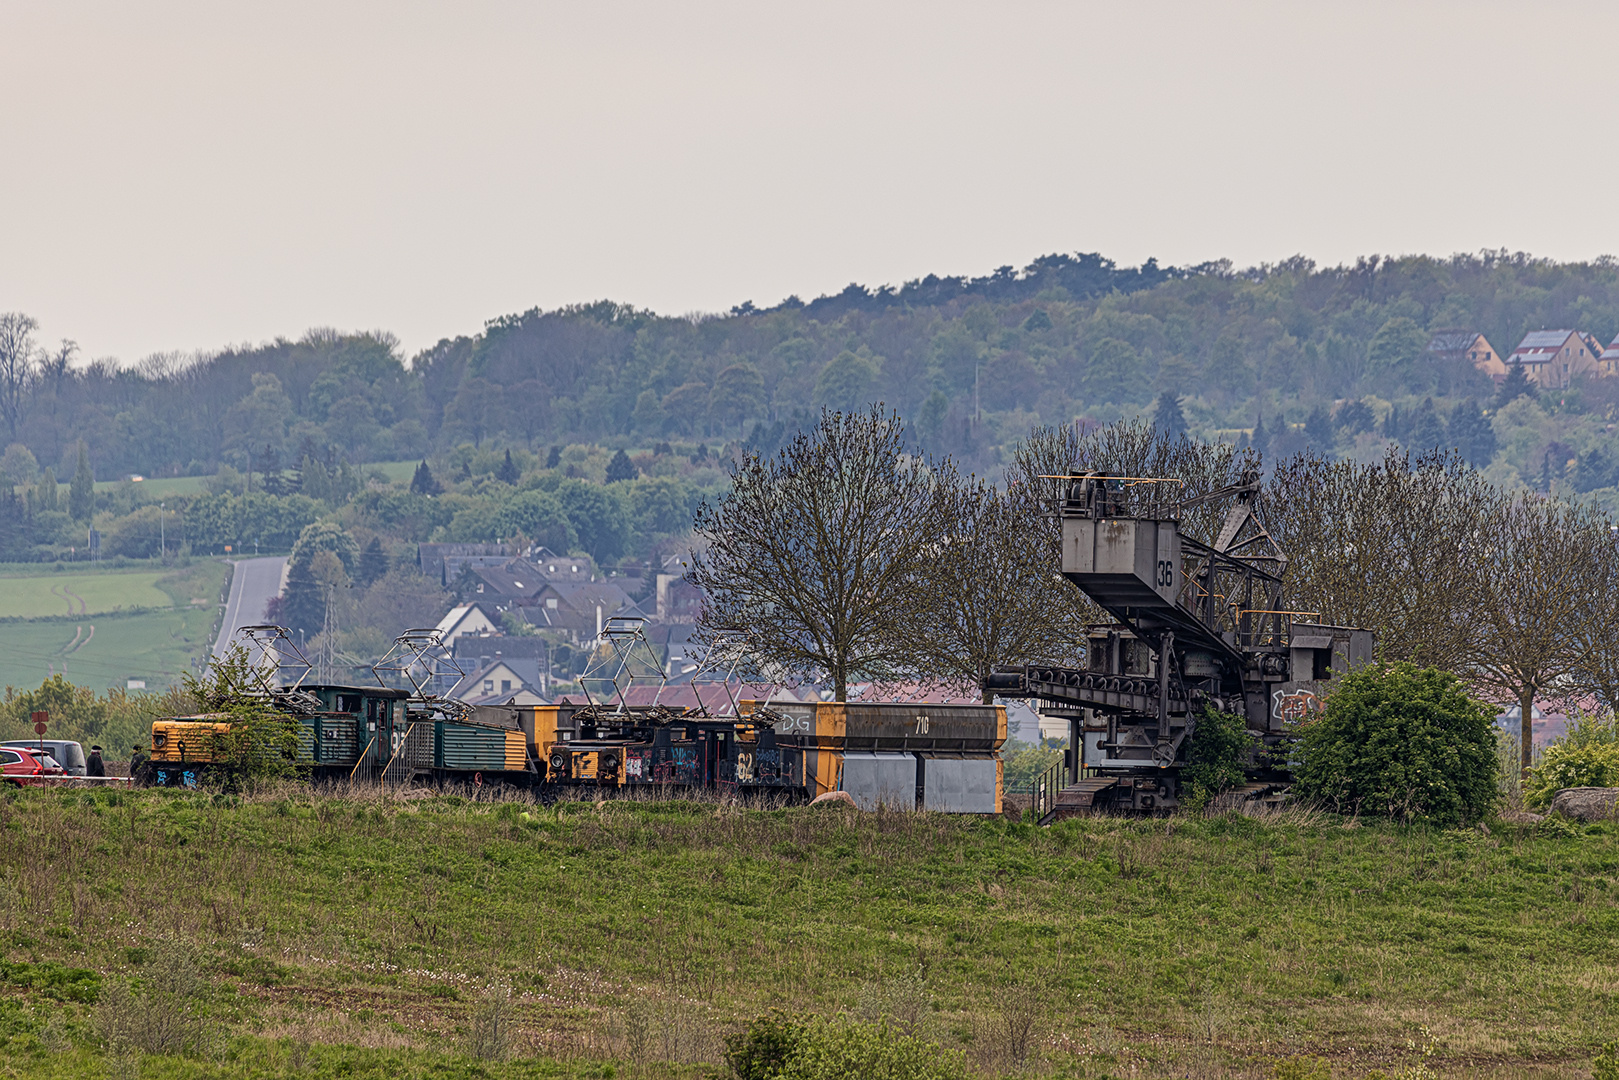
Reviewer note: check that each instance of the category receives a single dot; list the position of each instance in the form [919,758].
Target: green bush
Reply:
[1216,755]
[1307,1067]
[1605,1066]
[760,1051]
[842,1048]
[778,1046]
[1400,741]
[1586,756]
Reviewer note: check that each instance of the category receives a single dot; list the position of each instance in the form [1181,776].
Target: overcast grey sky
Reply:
[182,176]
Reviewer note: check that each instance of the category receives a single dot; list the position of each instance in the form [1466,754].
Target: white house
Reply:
[466,619]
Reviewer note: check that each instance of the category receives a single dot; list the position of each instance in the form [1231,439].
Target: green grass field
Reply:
[369,937]
[104,647]
[106,650]
[75,592]
[157,487]
[398,472]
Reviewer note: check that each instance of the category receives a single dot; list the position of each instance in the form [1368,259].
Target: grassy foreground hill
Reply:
[297,934]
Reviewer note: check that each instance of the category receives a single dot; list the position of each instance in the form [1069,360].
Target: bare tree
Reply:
[1185,468]
[813,553]
[18,355]
[992,595]
[1391,546]
[1541,565]
[1598,671]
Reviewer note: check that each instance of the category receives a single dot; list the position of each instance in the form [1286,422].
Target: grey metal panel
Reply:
[472,748]
[1123,561]
[797,721]
[1096,757]
[337,742]
[1362,647]
[306,741]
[958,785]
[500,716]
[874,779]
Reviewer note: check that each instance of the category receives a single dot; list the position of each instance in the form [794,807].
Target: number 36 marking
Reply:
[1166,574]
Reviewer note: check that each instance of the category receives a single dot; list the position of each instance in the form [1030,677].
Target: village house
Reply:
[503,682]
[677,599]
[432,557]
[579,610]
[1608,362]
[463,619]
[1457,347]
[446,562]
[1553,359]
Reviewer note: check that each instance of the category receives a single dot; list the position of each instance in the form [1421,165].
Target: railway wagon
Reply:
[594,746]
[361,732]
[910,755]
[899,754]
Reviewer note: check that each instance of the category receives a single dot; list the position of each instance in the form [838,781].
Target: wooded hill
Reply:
[971,362]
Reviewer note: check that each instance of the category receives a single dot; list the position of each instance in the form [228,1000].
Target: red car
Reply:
[27,767]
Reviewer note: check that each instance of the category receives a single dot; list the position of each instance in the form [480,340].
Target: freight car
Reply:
[899,754]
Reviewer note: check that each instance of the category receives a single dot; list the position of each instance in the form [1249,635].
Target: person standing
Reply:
[97,765]
[137,765]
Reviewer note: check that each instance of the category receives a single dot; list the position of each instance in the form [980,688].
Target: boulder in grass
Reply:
[1586,803]
[835,798]
[1522,817]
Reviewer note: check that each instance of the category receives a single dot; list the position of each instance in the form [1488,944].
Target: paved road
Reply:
[251,586]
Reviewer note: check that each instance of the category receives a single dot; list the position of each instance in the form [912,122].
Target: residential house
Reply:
[445,562]
[579,610]
[431,557]
[503,682]
[1457,347]
[678,600]
[514,583]
[456,565]
[1608,362]
[556,567]
[475,651]
[676,648]
[1552,359]
[467,619]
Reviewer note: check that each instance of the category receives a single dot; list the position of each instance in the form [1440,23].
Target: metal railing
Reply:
[365,769]
[1047,786]
[415,752]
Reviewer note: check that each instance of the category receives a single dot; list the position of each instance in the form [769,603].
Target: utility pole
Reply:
[327,632]
[162,542]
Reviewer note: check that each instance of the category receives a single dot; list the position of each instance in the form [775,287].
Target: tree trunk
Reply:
[840,686]
[1526,714]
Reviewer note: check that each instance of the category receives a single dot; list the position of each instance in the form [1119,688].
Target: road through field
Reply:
[252,584]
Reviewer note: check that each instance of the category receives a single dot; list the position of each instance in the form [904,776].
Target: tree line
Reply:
[1329,358]
[853,555]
